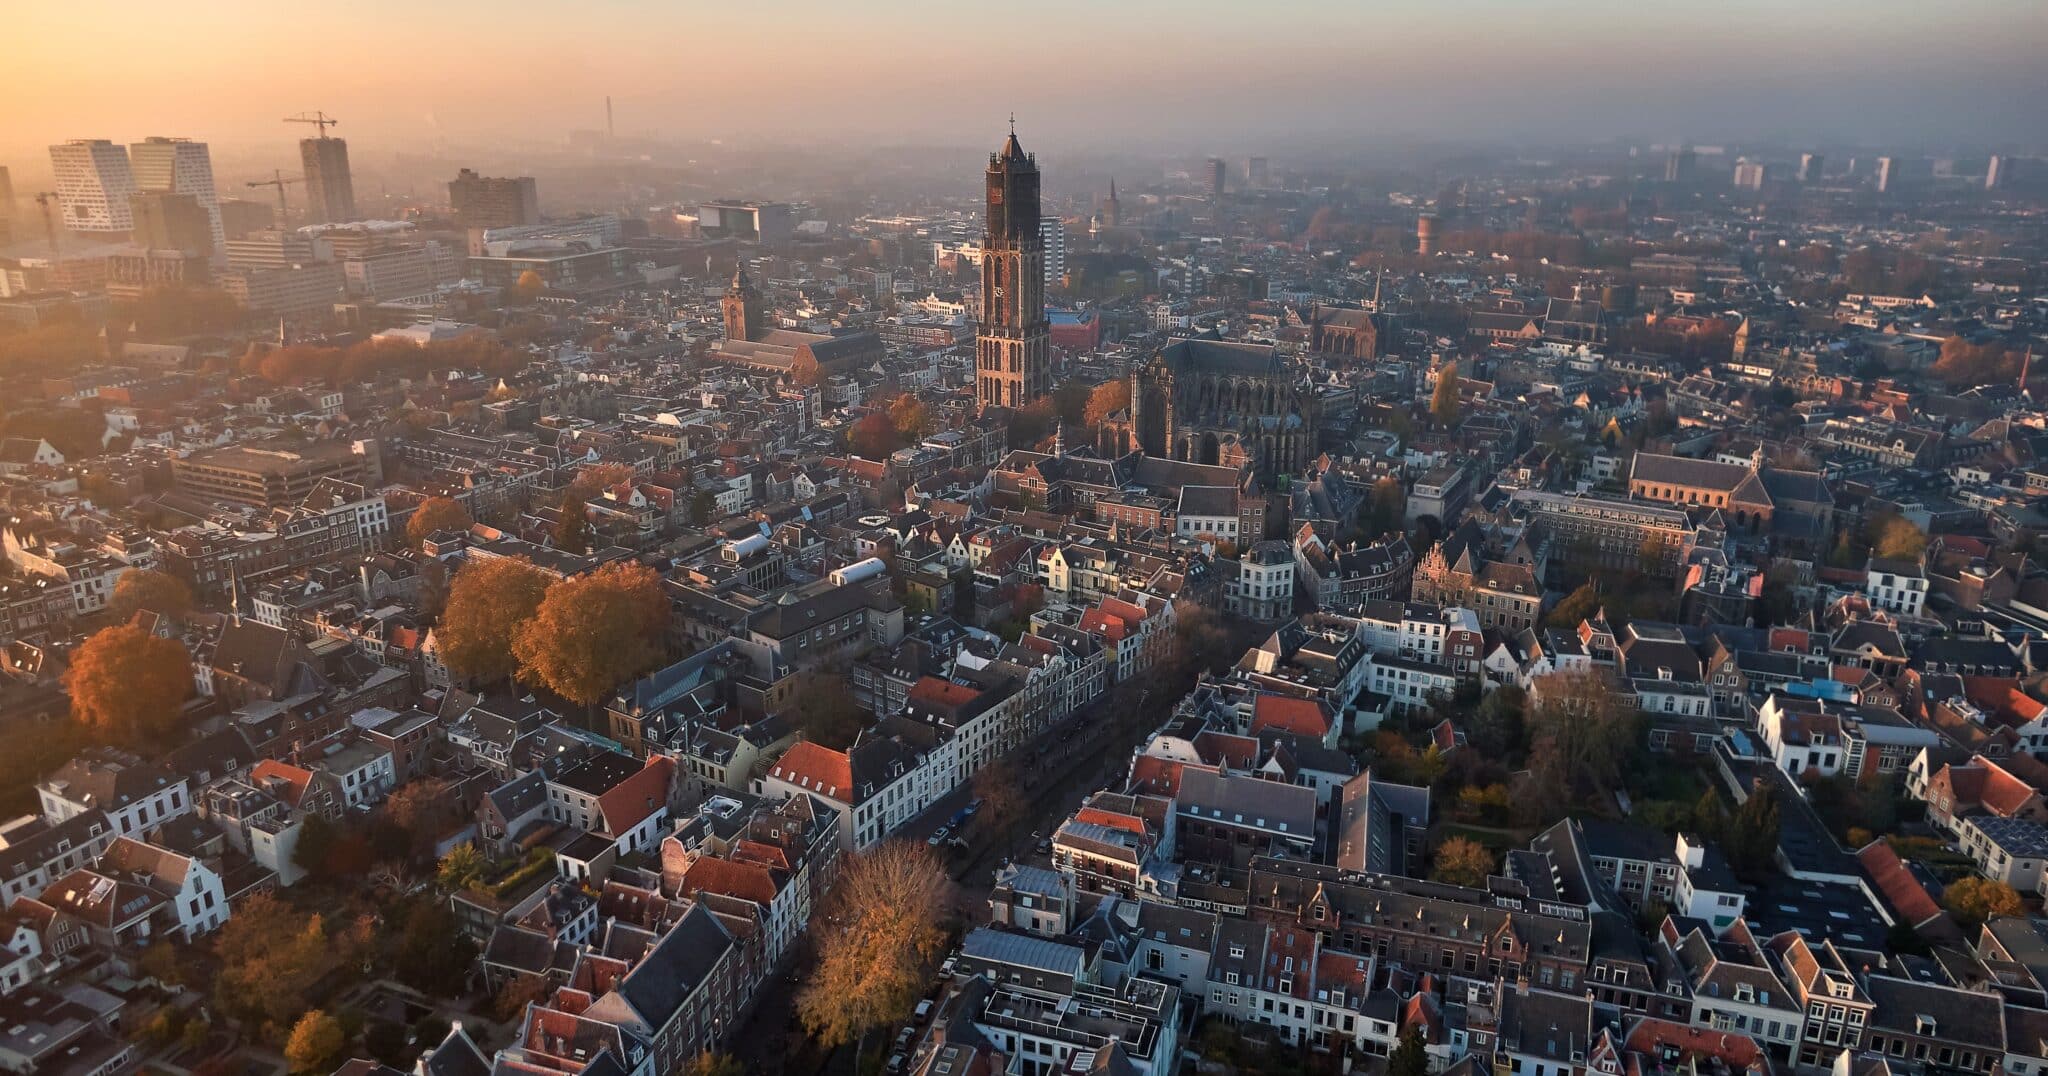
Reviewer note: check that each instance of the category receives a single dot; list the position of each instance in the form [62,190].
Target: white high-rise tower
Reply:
[93,185]
[180,166]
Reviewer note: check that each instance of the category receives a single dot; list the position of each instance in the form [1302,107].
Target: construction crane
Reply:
[318,119]
[44,201]
[280,181]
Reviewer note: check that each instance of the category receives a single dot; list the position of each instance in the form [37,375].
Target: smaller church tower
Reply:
[742,307]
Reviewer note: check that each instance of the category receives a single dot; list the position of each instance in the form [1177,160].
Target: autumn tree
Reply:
[911,418]
[1582,733]
[129,685]
[594,479]
[1031,423]
[1444,403]
[436,514]
[1386,509]
[433,955]
[874,436]
[271,956]
[1975,901]
[710,1064]
[488,603]
[1107,399]
[885,931]
[528,287]
[572,525]
[517,993]
[1576,607]
[1966,364]
[1070,402]
[1463,861]
[158,592]
[825,709]
[1894,537]
[422,808]
[594,632]
[1001,794]
[315,1044]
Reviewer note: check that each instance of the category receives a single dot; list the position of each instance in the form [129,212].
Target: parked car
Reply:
[939,836]
[924,1009]
[973,805]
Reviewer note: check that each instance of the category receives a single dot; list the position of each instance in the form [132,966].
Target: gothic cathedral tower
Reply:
[743,309]
[1013,361]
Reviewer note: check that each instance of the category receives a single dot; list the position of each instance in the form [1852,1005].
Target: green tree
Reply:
[433,955]
[462,868]
[1411,1058]
[1750,840]
[825,709]
[1444,403]
[702,505]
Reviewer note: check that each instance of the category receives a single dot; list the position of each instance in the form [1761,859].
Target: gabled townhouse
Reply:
[680,996]
[198,903]
[133,794]
[620,803]
[34,851]
[876,785]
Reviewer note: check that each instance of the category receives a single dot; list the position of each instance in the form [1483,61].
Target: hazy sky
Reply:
[1198,75]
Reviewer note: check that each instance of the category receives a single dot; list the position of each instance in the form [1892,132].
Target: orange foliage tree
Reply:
[128,684]
[594,632]
[487,604]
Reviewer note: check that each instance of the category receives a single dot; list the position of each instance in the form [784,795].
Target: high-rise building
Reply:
[93,185]
[1013,360]
[493,202]
[1895,174]
[179,166]
[1679,167]
[1749,175]
[1052,235]
[1257,172]
[1810,166]
[330,193]
[167,220]
[1218,173]
[2003,172]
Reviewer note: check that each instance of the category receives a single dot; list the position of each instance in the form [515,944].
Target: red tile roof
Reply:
[630,801]
[1303,717]
[1897,883]
[747,881]
[818,768]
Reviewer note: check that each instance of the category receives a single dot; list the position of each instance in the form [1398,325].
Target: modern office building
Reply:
[179,166]
[492,201]
[94,181]
[168,220]
[291,291]
[1810,167]
[1749,175]
[1218,173]
[275,477]
[767,223]
[330,193]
